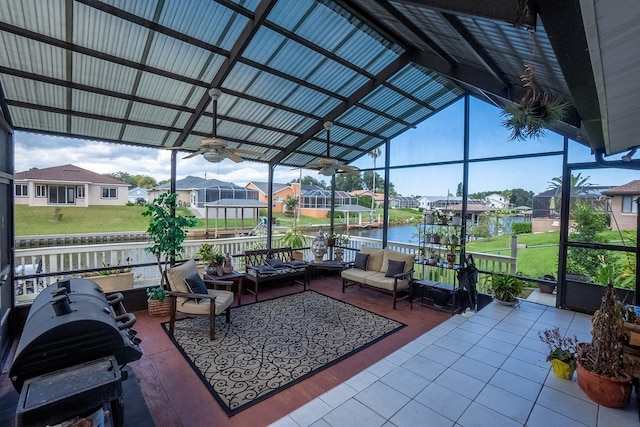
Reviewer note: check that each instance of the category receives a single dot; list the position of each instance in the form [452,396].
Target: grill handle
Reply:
[126,321]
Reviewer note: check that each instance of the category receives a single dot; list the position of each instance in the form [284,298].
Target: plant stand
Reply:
[159,307]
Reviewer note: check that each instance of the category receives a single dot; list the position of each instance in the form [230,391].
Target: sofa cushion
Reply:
[378,280]
[395,267]
[265,269]
[375,257]
[296,263]
[275,262]
[397,256]
[356,275]
[361,261]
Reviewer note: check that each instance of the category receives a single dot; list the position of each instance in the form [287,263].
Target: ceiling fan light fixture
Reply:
[327,171]
[215,93]
[213,156]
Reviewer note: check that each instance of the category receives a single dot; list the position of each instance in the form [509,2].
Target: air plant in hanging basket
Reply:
[536,111]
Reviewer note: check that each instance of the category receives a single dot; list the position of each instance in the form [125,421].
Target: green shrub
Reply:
[521,227]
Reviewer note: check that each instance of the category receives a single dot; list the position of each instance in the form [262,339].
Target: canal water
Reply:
[409,233]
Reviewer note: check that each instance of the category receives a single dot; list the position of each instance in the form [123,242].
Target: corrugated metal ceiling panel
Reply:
[252,81]
[178,57]
[93,103]
[439,30]
[205,20]
[158,115]
[103,32]
[32,56]
[164,89]
[102,74]
[42,16]
[145,9]
[16,88]
[39,121]
[95,128]
[144,134]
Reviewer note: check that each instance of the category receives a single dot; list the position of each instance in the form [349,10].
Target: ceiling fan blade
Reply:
[248,152]
[232,156]
[195,153]
[350,169]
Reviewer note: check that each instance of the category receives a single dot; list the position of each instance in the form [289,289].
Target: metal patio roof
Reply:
[138,72]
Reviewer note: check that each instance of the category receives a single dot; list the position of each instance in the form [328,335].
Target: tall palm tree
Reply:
[577,182]
[578,185]
[375,153]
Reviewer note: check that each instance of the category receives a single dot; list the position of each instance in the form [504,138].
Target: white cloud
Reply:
[43,151]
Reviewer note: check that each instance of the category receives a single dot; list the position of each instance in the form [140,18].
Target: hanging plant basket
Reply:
[536,111]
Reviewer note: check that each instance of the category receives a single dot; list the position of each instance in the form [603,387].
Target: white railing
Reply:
[67,259]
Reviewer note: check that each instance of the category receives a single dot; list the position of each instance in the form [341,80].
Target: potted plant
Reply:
[562,352]
[166,231]
[158,301]
[341,241]
[600,363]
[547,288]
[295,239]
[505,288]
[113,279]
[210,255]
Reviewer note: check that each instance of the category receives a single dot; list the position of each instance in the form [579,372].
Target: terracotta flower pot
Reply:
[606,391]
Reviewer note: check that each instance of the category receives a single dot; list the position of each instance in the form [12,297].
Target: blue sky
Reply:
[436,139]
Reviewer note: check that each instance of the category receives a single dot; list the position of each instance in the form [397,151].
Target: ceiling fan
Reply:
[215,149]
[328,166]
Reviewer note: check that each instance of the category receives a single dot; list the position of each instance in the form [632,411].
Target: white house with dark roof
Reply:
[68,185]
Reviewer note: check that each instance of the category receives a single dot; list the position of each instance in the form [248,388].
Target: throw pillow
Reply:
[296,263]
[275,262]
[264,269]
[361,261]
[195,285]
[395,267]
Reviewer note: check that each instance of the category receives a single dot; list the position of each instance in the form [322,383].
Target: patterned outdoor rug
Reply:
[271,345]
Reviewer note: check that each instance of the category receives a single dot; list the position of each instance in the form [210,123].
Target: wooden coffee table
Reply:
[234,276]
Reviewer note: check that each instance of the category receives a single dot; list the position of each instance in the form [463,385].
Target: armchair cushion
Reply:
[176,275]
[223,300]
[395,267]
[196,286]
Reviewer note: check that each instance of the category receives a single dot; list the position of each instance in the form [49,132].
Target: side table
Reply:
[234,276]
[328,265]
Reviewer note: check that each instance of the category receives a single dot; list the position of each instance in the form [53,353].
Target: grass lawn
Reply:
[38,220]
[41,220]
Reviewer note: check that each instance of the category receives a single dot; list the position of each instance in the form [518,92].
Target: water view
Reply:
[409,233]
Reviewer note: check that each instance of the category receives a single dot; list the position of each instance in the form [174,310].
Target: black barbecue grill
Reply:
[72,325]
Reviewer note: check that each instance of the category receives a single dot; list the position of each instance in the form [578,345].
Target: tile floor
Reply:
[487,369]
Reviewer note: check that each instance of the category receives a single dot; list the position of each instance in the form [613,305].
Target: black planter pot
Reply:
[440,297]
[546,288]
